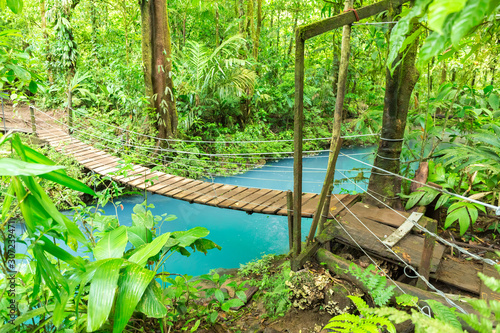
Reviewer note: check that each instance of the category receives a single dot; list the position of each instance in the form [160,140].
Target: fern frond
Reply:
[444,313]
[360,304]
[490,282]
[482,325]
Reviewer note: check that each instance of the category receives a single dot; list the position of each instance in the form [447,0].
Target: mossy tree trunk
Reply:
[157,62]
[256,38]
[398,89]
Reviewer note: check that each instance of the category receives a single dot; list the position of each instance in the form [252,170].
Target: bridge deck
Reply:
[251,200]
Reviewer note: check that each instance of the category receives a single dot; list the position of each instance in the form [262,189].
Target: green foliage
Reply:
[487,310]
[375,283]
[258,266]
[451,22]
[365,322]
[106,291]
[407,300]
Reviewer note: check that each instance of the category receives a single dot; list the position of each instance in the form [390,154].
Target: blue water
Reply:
[244,237]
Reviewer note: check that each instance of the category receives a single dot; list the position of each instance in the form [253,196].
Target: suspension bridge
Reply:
[357,224]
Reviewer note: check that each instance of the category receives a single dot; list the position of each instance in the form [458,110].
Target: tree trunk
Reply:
[250,24]
[256,39]
[291,37]
[398,90]
[241,14]
[47,42]
[217,38]
[157,61]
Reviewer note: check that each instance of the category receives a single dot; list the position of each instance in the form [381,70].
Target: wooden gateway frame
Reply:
[302,34]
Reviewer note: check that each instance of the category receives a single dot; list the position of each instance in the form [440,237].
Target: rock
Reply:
[336,300]
[270,330]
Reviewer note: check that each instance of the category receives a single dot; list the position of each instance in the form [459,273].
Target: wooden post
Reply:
[326,210]
[337,123]
[425,261]
[70,111]
[289,208]
[33,122]
[297,155]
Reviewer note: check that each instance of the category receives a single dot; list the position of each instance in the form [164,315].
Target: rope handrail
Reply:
[422,228]
[487,205]
[216,141]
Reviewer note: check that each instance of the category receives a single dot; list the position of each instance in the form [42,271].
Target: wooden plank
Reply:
[309,204]
[234,201]
[246,200]
[99,160]
[163,178]
[131,177]
[403,229]
[335,205]
[214,197]
[107,169]
[197,190]
[157,188]
[382,215]
[341,207]
[227,195]
[212,187]
[409,248]
[186,189]
[429,243]
[143,180]
[172,188]
[305,198]
[135,170]
[91,157]
[276,205]
[261,202]
[461,274]
[111,160]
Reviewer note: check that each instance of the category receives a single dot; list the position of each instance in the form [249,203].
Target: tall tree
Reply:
[398,89]
[157,62]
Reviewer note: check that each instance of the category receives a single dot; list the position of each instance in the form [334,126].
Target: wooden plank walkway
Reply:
[250,200]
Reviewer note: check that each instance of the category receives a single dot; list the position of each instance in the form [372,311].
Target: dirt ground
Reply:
[18,118]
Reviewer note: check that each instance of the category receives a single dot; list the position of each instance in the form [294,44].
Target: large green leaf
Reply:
[439,11]
[401,29]
[146,251]
[9,328]
[43,199]
[186,238]
[102,293]
[151,302]
[133,282]
[112,244]
[139,235]
[62,254]
[15,5]
[58,176]
[472,14]
[12,167]
[203,245]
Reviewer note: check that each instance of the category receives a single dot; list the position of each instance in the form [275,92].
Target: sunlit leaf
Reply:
[132,284]
[112,244]
[12,167]
[102,293]
[141,256]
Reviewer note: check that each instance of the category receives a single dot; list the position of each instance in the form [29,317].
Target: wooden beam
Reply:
[425,261]
[297,155]
[320,27]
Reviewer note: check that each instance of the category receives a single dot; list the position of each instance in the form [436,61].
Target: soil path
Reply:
[18,118]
